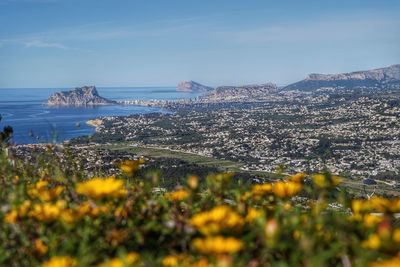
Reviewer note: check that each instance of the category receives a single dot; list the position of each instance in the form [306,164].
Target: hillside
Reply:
[240,93]
[383,78]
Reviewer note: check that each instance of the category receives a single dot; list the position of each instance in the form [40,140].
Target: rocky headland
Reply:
[191,86]
[80,96]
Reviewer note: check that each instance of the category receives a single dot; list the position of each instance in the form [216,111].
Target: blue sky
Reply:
[65,43]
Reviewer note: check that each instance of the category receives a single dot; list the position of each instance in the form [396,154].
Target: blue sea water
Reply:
[34,122]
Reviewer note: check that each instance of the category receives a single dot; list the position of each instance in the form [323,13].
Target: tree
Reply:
[323,148]
[6,134]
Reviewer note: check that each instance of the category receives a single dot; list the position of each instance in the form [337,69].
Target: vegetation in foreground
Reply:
[56,217]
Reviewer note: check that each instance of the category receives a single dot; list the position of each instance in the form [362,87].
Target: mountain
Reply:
[383,78]
[191,86]
[241,93]
[80,96]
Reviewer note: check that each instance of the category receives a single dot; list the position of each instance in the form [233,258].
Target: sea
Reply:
[33,122]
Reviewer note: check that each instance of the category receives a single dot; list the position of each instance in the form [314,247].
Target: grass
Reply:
[355,185]
[188,157]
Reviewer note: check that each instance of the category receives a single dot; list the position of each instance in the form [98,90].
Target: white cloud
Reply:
[43,44]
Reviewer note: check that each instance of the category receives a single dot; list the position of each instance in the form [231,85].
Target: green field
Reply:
[189,157]
[223,165]
[354,185]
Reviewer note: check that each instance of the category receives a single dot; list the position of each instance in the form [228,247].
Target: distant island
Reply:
[191,86]
[80,96]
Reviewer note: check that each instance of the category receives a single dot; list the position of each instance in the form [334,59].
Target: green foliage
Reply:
[6,134]
[51,210]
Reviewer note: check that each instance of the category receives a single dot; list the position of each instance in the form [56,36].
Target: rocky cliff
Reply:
[191,86]
[80,96]
[383,78]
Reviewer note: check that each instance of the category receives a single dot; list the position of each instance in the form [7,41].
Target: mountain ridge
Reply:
[381,78]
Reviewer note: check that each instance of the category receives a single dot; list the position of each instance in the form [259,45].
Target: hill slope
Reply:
[383,78]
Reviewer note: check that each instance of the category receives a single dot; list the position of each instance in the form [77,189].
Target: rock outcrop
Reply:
[191,86]
[383,78]
[80,96]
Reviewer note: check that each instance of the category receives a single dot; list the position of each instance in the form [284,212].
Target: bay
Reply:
[33,122]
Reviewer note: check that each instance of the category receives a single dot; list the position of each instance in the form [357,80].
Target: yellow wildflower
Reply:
[170,261]
[20,212]
[323,181]
[379,204]
[373,242]
[357,205]
[396,235]
[371,220]
[176,260]
[286,189]
[217,245]
[102,187]
[395,205]
[298,177]
[43,191]
[24,208]
[130,166]
[129,260]
[91,209]
[253,214]
[246,195]
[47,212]
[394,262]
[11,217]
[200,263]
[178,195]
[40,247]
[217,219]
[69,216]
[60,261]
[261,189]
[319,180]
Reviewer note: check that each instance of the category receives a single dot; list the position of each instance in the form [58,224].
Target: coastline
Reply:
[96,123]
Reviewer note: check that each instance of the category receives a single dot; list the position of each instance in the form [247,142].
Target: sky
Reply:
[68,43]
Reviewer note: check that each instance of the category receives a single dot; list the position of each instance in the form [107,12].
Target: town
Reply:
[346,133]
